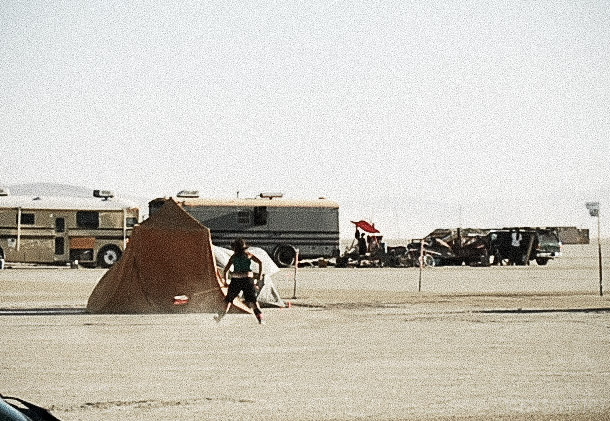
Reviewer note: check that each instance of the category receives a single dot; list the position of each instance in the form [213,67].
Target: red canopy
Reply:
[365,226]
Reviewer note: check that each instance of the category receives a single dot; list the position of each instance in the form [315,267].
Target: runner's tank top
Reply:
[241,263]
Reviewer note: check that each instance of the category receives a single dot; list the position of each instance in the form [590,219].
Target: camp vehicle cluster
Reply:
[94,232]
[463,246]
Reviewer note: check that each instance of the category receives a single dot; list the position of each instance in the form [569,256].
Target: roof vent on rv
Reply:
[188,193]
[4,191]
[104,194]
[271,195]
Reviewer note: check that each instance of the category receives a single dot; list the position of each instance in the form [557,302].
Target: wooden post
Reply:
[421,264]
[124,228]
[18,229]
[599,253]
[296,269]
[529,249]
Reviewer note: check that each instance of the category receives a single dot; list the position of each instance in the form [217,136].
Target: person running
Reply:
[242,279]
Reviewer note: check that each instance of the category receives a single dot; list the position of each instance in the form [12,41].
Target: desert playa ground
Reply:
[522,343]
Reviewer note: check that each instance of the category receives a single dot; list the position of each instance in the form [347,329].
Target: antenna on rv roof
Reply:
[271,195]
[104,194]
[188,193]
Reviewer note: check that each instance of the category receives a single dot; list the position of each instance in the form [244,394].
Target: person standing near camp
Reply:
[242,279]
[362,246]
[516,254]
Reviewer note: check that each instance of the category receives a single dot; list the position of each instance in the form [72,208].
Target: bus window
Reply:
[27,218]
[59,245]
[60,225]
[87,219]
[260,215]
[243,217]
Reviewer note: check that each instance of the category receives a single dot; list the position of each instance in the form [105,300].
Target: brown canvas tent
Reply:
[168,255]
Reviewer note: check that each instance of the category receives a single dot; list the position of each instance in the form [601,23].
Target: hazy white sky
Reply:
[416,115]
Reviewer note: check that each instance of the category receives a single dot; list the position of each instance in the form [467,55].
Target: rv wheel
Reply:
[485,259]
[108,256]
[284,255]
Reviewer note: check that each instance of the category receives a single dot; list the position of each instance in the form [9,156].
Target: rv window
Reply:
[130,222]
[87,219]
[60,225]
[59,245]
[260,215]
[27,218]
[243,217]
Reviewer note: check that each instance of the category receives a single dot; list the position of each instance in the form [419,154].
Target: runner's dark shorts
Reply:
[241,284]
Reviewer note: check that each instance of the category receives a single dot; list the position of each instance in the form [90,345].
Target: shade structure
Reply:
[366,227]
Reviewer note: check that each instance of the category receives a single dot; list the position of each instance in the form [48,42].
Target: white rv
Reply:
[92,231]
[277,225]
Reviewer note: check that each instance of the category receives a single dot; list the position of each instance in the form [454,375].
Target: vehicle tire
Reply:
[485,259]
[394,261]
[342,261]
[284,255]
[542,261]
[108,256]
[428,260]
[497,258]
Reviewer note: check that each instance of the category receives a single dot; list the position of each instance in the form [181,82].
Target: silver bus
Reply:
[58,230]
[277,225]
